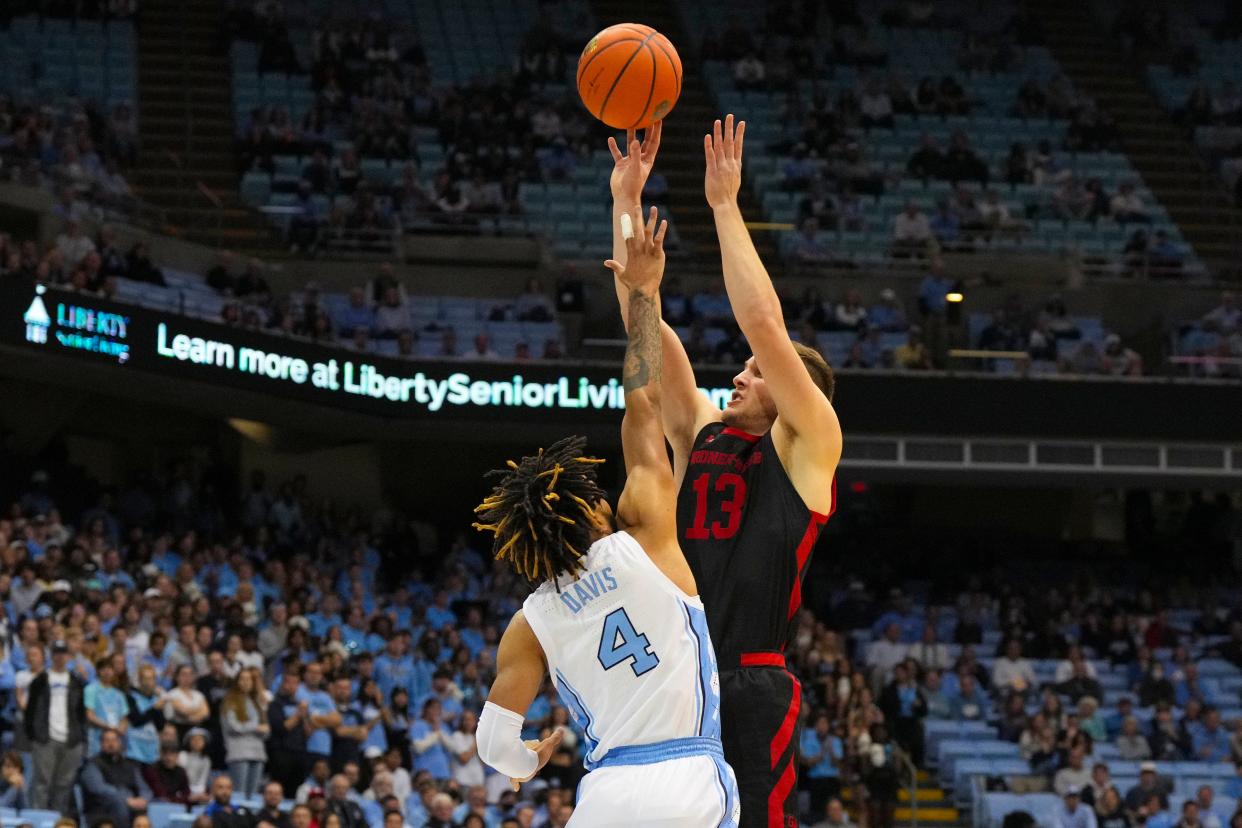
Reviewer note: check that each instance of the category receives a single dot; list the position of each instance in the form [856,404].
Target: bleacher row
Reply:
[46,60]
[961,755]
[913,55]
[187,294]
[462,42]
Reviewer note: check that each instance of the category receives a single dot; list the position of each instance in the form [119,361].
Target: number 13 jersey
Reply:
[627,650]
[748,537]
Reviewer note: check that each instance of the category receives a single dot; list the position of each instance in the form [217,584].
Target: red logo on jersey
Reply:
[724,458]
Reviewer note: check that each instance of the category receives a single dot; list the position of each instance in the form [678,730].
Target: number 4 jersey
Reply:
[748,537]
[628,651]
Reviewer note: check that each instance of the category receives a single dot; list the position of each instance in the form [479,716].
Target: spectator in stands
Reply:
[73,244]
[938,703]
[106,706]
[1072,201]
[1110,812]
[904,709]
[167,780]
[1075,775]
[1134,253]
[850,313]
[13,782]
[1226,318]
[913,355]
[482,349]
[818,205]
[1120,360]
[808,249]
[887,315]
[342,806]
[1210,743]
[392,315]
[875,105]
[961,163]
[911,231]
[1165,257]
[929,653]
[799,171]
[834,816]
[1072,813]
[357,314]
[271,813]
[1131,744]
[1013,672]
[250,284]
[971,702]
[244,728]
[1150,784]
[306,220]
[885,654]
[1209,816]
[946,226]
[534,304]
[822,755]
[1127,205]
[1190,815]
[220,275]
[55,721]
[927,161]
[750,72]
[112,788]
[221,810]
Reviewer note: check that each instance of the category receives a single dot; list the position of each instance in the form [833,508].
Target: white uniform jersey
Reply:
[628,651]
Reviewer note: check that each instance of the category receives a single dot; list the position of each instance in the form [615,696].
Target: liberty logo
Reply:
[37,319]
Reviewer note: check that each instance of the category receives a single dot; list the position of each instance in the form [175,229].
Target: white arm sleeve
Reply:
[500,742]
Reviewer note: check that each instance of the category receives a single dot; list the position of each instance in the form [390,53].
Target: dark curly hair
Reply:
[541,512]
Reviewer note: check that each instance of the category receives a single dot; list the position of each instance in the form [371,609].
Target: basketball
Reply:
[629,75]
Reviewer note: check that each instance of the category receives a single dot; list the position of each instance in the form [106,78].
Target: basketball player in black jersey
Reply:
[756,484]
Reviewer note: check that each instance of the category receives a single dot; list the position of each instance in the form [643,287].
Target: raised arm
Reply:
[801,407]
[687,410]
[649,480]
[647,507]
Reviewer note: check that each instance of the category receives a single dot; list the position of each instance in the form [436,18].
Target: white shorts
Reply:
[691,792]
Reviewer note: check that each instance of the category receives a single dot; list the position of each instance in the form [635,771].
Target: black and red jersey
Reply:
[748,538]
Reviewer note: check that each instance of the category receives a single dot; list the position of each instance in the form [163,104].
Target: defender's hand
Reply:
[544,750]
[644,267]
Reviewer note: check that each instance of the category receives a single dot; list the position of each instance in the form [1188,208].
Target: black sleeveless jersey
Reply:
[748,538]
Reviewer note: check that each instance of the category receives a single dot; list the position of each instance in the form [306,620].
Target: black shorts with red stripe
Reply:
[759,708]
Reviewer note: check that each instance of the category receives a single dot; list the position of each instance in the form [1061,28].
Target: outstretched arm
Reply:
[649,480]
[801,407]
[687,410]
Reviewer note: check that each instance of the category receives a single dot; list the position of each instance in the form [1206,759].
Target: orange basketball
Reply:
[629,75]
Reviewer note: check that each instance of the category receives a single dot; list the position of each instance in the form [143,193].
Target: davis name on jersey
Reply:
[628,651]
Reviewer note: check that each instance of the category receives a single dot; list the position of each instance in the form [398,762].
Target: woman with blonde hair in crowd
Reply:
[245,728]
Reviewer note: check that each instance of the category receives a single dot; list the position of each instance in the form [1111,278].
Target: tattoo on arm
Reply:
[643,360]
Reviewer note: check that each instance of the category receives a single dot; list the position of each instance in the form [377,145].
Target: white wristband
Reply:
[499,737]
[627,226]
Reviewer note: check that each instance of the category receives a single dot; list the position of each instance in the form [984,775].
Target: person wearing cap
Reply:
[193,757]
[1072,813]
[55,724]
[112,787]
[888,315]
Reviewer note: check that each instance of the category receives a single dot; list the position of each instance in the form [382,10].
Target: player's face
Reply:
[751,408]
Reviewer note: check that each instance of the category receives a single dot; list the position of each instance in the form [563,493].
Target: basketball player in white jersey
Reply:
[615,620]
